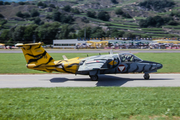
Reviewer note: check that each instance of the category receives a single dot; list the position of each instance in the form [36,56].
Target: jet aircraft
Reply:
[38,59]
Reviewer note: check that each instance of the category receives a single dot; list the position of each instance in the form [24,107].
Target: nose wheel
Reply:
[94,77]
[146,76]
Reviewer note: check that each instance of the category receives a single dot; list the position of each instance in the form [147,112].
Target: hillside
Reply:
[135,16]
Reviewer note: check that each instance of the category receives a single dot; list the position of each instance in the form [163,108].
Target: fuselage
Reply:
[105,64]
[38,59]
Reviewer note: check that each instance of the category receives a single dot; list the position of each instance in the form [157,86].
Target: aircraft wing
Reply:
[98,63]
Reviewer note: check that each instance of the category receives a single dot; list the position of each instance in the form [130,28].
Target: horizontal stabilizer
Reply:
[64,57]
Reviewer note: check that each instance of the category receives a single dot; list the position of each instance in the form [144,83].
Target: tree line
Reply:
[157,5]
[157,21]
[49,31]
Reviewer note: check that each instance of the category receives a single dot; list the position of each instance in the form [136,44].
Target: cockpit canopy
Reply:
[128,57]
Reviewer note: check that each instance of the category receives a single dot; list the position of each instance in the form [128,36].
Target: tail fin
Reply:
[36,57]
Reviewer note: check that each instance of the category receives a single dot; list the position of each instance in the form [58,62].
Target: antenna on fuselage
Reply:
[111,51]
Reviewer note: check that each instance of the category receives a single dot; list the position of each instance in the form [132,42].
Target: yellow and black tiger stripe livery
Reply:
[37,58]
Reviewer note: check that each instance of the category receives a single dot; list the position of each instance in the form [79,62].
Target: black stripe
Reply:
[42,54]
[38,47]
[150,67]
[32,60]
[128,67]
[36,56]
[72,65]
[116,64]
[29,47]
[50,59]
[136,69]
[64,69]
[143,68]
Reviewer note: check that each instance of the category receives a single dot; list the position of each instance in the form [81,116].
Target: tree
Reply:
[40,4]
[157,5]
[21,3]
[119,11]
[19,14]
[34,13]
[156,21]
[143,24]
[75,10]
[18,33]
[114,1]
[67,8]
[159,21]
[5,35]
[84,31]
[47,32]
[44,5]
[126,15]
[29,32]
[64,33]
[3,21]
[115,33]
[1,2]
[1,16]
[91,14]
[7,3]
[173,23]
[128,35]
[175,13]
[37,21]
[66,19]
[56,16]
[52,6]
[151,21]
[97,32]
[167,19]
[103,16]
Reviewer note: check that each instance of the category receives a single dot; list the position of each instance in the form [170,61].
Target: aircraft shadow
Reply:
[104,80]
[107,80]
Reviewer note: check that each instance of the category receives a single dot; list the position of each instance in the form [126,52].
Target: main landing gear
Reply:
[146,76]
[94,77]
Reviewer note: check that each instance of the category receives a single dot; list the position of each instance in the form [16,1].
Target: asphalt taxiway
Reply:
[70,80]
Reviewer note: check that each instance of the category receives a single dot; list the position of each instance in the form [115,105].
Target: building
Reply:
[68,43]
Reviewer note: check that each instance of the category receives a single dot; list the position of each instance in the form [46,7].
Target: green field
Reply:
[15,62]
[95,103]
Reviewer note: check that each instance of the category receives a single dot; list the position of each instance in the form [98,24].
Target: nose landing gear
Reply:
[146,76]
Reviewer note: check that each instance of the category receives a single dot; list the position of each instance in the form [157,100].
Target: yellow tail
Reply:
[36,57]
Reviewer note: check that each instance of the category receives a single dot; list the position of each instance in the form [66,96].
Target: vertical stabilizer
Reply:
[36,57]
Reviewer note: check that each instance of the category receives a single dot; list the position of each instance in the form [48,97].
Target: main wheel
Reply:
[146,76]
[94,77]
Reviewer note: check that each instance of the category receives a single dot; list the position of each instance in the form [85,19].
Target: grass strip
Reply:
[90,103]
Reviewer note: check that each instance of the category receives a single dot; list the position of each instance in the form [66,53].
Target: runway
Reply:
[70,80]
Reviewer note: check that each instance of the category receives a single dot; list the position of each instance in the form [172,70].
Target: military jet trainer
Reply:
[38,59]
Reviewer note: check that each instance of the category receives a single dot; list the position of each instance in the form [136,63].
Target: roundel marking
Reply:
[121,68]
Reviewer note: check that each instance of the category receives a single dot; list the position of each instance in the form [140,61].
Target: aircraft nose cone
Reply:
[159,66]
